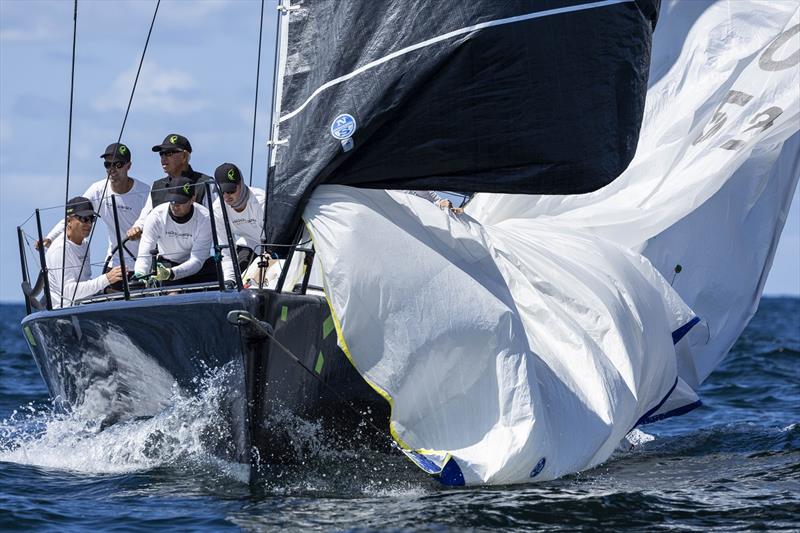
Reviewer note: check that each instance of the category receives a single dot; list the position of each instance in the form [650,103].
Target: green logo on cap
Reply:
[70,210]
[173,139]
[122,149]
[186,188]
[231,174]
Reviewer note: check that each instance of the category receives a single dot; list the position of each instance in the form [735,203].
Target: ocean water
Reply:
[733,464]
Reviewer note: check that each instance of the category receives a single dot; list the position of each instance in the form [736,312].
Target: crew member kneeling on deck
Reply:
[77,274]
[245,207]
[180,231]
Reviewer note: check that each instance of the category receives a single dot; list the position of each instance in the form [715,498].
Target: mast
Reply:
[279,68]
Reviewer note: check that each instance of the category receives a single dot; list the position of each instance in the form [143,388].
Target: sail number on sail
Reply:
[766,117]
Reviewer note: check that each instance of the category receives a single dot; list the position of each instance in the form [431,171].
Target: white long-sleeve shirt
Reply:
[159,189]
[77,281]
[187,244]
[431,196]
[129,205]
[245,227]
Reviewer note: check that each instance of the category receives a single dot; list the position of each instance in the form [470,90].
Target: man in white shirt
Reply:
[72,250]
[180,230]
[438,201]
[245,207]
[130,193]
[175,153]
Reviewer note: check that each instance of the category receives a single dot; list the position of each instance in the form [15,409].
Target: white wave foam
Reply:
[75,441]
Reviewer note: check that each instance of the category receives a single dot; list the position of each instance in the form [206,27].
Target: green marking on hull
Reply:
[284,313]
[327,327]
[29,336]
[320,362]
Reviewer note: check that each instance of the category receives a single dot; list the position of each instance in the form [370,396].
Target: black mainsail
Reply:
[478,95]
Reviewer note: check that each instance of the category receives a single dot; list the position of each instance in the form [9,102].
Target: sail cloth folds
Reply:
[478,95]
[707,195]
[519,352]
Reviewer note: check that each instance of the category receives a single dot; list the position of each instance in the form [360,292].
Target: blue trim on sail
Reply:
[675,412]
[657,407]
[451,474]
[681,332]
[647,418]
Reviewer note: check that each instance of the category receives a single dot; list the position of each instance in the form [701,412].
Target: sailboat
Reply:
[614,249]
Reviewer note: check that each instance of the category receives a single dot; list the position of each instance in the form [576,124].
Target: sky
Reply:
[198,80]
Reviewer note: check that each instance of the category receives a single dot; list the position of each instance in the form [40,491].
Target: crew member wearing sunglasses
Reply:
[175,153]
[131,195]
[73,252]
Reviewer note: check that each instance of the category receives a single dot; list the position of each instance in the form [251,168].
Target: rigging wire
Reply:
[255,104]
[119,138]
[69,144]
[296,359]
[31,247]
[29,218]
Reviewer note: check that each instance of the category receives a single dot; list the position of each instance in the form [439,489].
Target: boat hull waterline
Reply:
[117,361]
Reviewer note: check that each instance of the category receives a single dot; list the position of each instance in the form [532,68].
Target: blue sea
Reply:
[731,465]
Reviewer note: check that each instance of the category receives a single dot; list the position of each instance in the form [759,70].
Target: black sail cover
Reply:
[533,97]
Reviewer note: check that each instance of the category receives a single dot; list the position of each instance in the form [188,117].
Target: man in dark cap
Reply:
[175,153]
[181,232]
[245,206]
[131,195]
[72,250]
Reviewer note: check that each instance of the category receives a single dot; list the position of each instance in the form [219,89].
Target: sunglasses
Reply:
[115,164]
[167,153]
[89,219]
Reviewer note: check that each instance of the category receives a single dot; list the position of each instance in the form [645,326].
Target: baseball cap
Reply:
[181,190]
[80,207]
[118,151]
[228,176]
[173,141]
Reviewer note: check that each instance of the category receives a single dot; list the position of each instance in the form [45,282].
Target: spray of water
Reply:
[187,429]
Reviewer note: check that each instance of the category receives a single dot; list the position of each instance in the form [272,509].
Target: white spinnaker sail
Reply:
[715,170]
[527,341]
[503,348]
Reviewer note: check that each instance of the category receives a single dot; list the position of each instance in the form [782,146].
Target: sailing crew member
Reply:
[130,193]
[245,207]
[175,153]
[181,232]
[433,196]
[73,252]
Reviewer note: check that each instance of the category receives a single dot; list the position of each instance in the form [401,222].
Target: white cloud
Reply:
[41,30]
[160,90]
[30,22]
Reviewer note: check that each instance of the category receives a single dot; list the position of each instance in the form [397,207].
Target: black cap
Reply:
[118,151]
[80,207]
[228,176]
[181,190]
[173,141]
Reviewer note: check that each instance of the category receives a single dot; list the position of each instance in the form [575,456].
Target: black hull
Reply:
[125,357]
